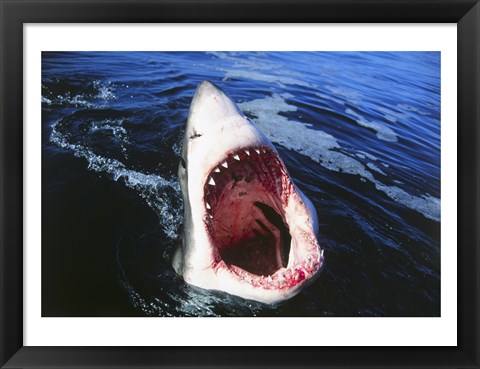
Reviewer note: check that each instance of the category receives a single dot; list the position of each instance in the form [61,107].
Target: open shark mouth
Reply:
[252,208]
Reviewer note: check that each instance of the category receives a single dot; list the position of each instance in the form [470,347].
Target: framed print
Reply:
[300,178]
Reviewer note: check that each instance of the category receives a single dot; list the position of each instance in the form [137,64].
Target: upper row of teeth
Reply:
[211,181]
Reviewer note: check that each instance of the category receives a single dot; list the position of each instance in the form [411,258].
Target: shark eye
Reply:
[184,165]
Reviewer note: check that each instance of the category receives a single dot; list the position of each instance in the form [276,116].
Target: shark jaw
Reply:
[248,230]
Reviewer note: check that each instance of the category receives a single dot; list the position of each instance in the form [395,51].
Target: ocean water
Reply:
[358,131]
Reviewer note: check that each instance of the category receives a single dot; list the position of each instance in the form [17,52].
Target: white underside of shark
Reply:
[248,230]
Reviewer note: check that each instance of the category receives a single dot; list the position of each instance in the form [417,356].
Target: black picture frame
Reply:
[465,13]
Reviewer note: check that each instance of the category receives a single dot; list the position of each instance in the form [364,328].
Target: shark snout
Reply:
[211,109]
[209,88]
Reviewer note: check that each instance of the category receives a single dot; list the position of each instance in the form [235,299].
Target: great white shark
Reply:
[248,229]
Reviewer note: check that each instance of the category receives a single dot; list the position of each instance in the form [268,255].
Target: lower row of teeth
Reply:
[284,278]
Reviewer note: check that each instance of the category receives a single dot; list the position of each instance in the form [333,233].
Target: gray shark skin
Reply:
[248,230]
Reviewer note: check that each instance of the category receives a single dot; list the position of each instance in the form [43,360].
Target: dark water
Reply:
[359,132]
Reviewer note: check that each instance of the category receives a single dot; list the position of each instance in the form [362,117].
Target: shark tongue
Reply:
[246,220]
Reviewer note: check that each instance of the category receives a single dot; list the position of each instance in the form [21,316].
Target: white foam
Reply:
[375,168]
[426,204]
[383,132]
[391,115]
[366,154]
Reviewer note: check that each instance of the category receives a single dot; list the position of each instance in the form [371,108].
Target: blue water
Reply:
[358,131]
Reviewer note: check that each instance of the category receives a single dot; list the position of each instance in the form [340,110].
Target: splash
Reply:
[97,95]
[159,193]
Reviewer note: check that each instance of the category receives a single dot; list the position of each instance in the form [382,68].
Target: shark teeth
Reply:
[284,278]
[309,264]
[257,151]
[217,170]
[207,205]
[224,164]
[236,157]
[211,181]
[247,152]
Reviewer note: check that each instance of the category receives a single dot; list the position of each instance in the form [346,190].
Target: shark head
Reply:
[248,230]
